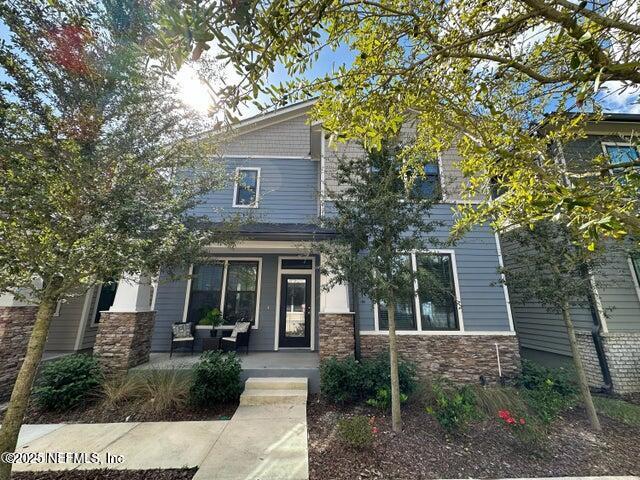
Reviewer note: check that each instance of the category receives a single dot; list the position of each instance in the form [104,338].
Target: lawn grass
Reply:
[618,410]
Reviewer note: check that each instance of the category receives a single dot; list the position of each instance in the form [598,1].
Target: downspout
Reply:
[356,324]
[596,328]
[596,335]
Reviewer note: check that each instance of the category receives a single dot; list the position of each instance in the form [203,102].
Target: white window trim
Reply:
[84,317]
[226,261]
[634,277]
[420,331]
[56,313]
[312,272]
[604,146]
[235,188]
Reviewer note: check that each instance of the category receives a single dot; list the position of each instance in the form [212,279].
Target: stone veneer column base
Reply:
[459,358]
[16,324]
[336,335]
[123,339]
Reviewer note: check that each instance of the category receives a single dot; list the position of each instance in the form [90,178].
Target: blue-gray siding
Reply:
[538,327]
[288,192]
[484,307]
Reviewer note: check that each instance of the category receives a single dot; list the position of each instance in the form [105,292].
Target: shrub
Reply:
[454,407]
[358,431]
[68,382]
[165,390]
[349,380]
[377,375]
[216,379]
[548,391]
[526,430]
[341,380]
[382,400]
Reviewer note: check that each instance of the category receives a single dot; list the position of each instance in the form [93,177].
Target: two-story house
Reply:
[608,321]
[280,168]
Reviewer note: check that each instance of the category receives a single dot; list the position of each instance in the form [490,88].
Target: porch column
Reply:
[17,317]
[335,320]
[124,334]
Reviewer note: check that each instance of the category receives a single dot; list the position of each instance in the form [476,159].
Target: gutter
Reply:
[596,335]
[356,324]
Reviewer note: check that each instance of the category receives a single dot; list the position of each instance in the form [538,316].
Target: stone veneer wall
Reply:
[16,324]
[460,358]
[124,339]
[336,335]
[623,354]
[590,360]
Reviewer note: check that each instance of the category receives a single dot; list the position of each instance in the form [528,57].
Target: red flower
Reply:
[504,414]
[522,422]
[374,430]
[510,420]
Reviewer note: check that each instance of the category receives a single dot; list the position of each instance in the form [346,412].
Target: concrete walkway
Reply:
[260,442]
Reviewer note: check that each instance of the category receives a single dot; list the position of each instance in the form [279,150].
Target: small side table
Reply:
[210,343]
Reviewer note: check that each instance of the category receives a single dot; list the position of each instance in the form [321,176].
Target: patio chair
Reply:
[239,338]
[181,334]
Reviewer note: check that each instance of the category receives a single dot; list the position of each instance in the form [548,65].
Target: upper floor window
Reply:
[247,188]
[434,304]
[620,153]
[429,185]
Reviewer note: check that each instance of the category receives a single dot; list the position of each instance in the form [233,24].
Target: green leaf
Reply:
[575,60]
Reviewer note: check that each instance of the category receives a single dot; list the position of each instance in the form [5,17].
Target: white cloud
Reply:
[619,97]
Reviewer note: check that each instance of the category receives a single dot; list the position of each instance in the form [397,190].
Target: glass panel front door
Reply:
[295,311]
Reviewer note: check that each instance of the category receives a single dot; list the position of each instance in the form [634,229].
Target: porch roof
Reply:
[284,231]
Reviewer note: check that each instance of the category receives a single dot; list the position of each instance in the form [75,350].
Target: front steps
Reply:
[275,391]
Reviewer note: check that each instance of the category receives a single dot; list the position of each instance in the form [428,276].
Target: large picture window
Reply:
[229,285]
[435,303]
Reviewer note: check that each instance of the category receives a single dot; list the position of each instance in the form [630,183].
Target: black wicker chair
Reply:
[181,334]
[239,338]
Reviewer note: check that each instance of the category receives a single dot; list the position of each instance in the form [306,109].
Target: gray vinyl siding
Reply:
[614,281]
[288,192]
[538,327]
[172,294]
[290,138]
[617,290]
[484,307]
[64,328]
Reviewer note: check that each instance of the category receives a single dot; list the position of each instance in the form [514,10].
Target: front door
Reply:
[295,310]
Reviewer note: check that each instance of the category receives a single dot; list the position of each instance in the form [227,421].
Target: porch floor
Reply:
[254,364]
[251,361]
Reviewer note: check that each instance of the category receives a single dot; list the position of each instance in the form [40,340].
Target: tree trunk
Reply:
[577,362]
[22,388]
[396,418]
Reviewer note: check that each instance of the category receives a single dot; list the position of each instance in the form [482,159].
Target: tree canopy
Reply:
[94,146]
[484,75]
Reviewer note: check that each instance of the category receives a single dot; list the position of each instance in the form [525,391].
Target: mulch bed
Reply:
[131,412]
[175,474]
[486,450]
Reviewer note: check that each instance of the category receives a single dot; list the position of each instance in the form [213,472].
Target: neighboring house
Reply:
[281,168]
[608,323]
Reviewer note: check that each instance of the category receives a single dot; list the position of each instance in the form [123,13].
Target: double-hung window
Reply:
[247,188]
[434,304]
[229,285]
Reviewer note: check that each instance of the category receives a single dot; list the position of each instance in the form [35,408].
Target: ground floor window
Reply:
[434,305]
[231,286]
